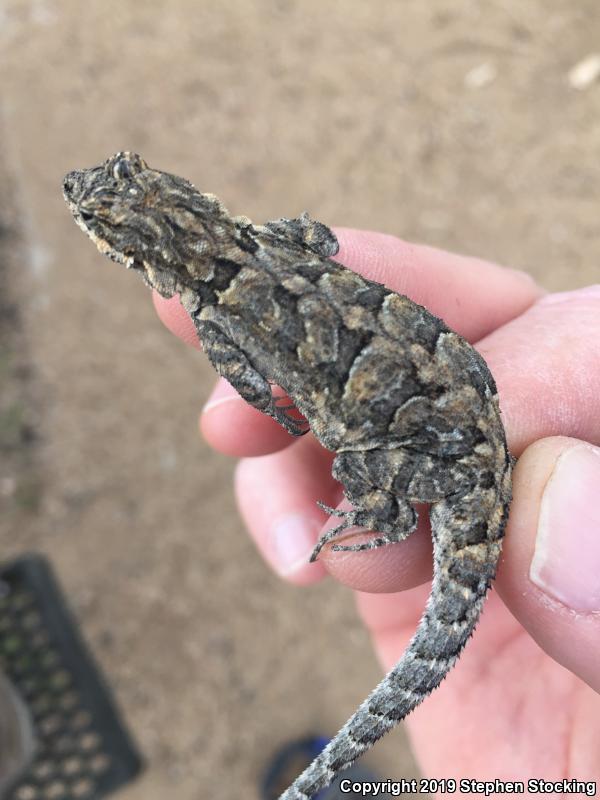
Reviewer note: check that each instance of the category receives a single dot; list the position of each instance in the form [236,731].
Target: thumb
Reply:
[550,571]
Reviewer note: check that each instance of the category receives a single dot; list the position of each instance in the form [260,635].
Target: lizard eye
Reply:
[125,165]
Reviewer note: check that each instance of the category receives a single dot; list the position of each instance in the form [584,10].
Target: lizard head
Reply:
[153,222]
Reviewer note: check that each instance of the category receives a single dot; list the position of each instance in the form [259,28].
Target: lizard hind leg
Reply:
[376,506]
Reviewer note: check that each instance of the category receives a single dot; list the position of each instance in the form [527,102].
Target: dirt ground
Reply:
[456,123]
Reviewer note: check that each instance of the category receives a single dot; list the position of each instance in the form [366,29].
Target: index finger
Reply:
[471,295]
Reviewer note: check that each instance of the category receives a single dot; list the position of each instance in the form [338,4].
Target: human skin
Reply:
[523,701]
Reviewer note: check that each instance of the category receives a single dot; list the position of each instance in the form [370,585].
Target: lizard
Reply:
[408,406]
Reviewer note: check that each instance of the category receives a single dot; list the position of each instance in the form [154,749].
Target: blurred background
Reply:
[474,127]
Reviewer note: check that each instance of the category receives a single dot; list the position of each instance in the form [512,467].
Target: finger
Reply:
[392,619]
[551,558]
[233,427]
[404,564]
[276,497]
[545,364]
[175,318]
[473,296]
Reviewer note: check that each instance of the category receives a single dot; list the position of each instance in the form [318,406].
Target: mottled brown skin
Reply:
[407,405]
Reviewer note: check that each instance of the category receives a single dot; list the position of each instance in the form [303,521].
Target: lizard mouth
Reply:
[68,184]
[72,187]
[73,192]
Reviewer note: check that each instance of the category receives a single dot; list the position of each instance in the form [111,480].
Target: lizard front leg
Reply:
[233,365]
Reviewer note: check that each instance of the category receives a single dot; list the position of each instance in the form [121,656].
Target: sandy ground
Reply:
[448,122]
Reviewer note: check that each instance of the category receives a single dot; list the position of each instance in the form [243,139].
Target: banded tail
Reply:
[467,539]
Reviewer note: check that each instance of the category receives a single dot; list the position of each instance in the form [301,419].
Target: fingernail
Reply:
[566,561]
[222,393]
[524,277]
[293,538]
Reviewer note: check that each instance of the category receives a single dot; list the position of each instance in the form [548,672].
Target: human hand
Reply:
[522,702]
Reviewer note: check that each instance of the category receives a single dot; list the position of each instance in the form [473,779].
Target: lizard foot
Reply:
[389,530]
[296,425]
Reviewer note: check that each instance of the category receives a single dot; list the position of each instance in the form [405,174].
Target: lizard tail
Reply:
[466,549]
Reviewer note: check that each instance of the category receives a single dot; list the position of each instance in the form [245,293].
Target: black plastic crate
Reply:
[82,749]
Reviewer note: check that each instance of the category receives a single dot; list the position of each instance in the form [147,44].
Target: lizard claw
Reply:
[349,518]
[293,425]
[371,544]
[323,541]
[333,512]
